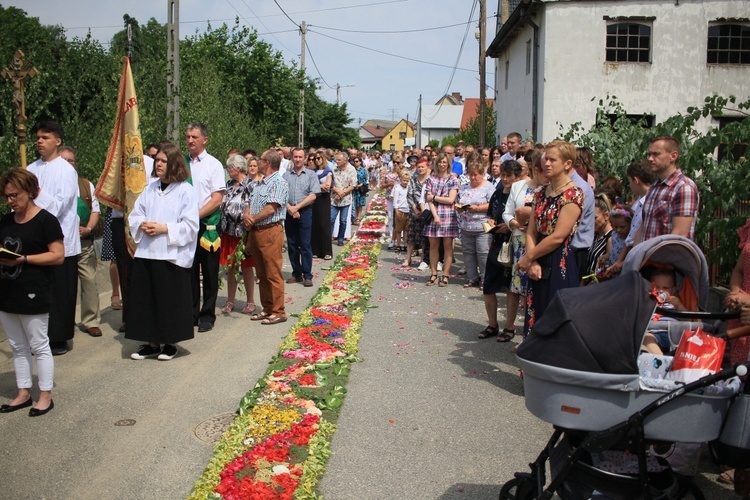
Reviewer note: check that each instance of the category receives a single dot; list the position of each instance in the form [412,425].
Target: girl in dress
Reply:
[440,193]
[601,249]
[620,217]
[557,209]
[164,224]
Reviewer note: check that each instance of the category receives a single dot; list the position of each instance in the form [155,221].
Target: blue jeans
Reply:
[298,234]
[342,213]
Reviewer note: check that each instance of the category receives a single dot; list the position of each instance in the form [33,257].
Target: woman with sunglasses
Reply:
[321,223]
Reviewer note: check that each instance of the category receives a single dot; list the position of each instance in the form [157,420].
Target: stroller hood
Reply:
[595,328]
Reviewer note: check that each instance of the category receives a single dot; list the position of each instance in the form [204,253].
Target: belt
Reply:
[266,226]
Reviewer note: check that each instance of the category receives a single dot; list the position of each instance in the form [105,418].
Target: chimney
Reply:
[504,11]
[457,97]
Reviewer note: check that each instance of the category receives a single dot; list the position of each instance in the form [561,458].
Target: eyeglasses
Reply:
[396,161]
[318,158]
[356,159]
[11,196]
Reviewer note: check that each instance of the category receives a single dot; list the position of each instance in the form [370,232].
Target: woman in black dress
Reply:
[321,223]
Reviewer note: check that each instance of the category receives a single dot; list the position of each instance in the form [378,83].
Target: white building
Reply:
[438,121]
[556,58]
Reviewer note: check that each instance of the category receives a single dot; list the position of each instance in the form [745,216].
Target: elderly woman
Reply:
[472,205]
[549,260]
[441,190]
[415,198]
[236,199]
[164,224]
[34,240]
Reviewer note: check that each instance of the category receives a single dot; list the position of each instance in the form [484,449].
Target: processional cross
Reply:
[20,73]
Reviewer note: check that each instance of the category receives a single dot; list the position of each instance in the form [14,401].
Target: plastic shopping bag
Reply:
[697,355]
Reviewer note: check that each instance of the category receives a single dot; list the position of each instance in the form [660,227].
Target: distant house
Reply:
[439,121]
[372,132]
[453,99]
[399,136]
[556,58]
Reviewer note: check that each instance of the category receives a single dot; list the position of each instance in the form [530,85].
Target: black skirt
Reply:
[160,303]
[321,226]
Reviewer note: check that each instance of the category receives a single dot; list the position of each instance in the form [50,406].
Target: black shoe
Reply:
[205,326]
[58,348]
[122,328]
[12,408]
[36,412]
[146,350]
[168,352]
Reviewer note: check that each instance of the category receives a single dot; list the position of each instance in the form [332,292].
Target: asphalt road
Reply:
[431,411]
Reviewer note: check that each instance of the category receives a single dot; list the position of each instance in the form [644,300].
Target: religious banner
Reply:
[124,174]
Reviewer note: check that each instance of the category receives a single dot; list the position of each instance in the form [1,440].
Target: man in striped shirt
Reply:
[263,219]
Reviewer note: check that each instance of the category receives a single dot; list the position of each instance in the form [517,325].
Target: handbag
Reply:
[426,216]
[364,188]
[505,256]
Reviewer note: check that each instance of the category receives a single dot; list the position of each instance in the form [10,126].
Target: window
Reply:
[628,42]
[528,57]
[507,70]
[402,135]
[728,44]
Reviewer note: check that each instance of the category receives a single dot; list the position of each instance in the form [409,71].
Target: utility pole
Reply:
[173,69]
[301,134]
[482,72]
[419,123]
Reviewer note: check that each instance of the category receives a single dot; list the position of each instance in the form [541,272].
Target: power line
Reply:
[287,15]
[396,32]
[261,23]
[316,65]
[392,55]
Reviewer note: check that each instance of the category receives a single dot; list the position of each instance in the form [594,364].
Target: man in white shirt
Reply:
[87,257]
[514,142]
[58,194]
[207,175]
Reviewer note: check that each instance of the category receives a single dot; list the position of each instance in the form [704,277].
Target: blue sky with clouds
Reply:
[382,83]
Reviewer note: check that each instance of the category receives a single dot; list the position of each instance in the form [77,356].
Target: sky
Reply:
[370,48]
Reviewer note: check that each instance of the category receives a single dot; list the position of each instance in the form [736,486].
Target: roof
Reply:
[471,109]
[520,12]
[374,131]
[445,117]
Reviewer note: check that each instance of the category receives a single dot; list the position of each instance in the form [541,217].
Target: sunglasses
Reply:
[318,158]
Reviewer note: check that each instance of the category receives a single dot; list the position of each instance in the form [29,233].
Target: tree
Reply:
[470,133]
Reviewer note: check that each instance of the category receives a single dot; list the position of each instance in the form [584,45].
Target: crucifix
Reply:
[19,74]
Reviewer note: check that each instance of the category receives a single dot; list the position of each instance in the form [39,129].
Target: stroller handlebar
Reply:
[698,315]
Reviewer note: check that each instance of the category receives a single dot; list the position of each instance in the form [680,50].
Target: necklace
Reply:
[556,190]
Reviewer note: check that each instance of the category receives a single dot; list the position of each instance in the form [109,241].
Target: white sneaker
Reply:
[423,266]
[390,245]
[440,266]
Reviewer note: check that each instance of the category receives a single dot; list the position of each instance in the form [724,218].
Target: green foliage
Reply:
[724,184]
[449,140]
[434,143]
[470,133]
[242,89]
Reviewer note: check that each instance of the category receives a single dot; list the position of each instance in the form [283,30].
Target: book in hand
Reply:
[487,227]
[464,206]
[7,254]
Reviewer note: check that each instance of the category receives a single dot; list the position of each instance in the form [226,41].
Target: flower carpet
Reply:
[278,445]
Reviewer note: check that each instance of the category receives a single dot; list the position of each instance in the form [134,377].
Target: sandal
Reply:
[443,281]
[488,332]
[116,302]
[272,320]
[432,280]
[406,263]
[249,308]
[327,257]
[507,335]
[471,284]
[228,307]
[259,316]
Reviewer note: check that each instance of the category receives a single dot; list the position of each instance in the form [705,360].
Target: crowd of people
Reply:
[531,219]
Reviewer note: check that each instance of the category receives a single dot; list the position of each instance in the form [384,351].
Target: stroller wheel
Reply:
[520,488]
[688,489]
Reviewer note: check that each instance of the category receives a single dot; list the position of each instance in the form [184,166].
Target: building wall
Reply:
[438,134]
[575,75]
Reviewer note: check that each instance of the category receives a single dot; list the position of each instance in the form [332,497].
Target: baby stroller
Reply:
[581,374]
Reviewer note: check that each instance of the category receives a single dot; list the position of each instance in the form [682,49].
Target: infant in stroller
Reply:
[656,340]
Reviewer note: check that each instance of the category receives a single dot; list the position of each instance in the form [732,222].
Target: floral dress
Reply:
[560,264]
[448,228]
[360,200]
